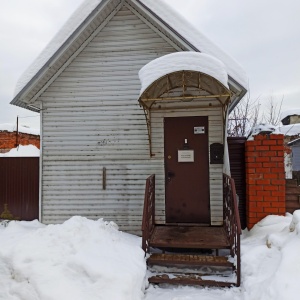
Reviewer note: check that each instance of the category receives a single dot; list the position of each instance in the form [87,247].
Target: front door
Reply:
[187,170]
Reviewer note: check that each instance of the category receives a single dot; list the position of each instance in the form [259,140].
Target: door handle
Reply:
[170,174]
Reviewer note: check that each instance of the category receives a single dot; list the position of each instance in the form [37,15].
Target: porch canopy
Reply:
[183,80]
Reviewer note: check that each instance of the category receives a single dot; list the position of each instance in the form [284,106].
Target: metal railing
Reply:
[232,223]
[148,223]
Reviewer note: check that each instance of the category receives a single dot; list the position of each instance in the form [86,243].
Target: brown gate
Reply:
[186,170]
[19,187]
[236,149]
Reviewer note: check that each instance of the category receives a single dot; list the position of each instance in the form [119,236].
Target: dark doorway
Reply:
[187,170]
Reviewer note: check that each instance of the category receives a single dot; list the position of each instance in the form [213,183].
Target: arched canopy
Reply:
[183,77]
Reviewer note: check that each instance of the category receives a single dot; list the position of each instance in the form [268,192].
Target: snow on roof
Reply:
[13,127]
[196,38]
[289,130]
[290,112]
[22,151]
[161,9]
[188,61]
[59,39]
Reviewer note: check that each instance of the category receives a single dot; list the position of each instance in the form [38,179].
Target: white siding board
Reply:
[91,120]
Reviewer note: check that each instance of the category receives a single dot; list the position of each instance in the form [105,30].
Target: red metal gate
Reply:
[19,187]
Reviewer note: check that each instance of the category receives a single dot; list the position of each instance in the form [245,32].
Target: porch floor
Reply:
[189,237]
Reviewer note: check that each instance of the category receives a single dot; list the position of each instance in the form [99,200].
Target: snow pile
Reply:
[290,112]
[188,61]
[22,151]
[80,259]
[13,127]
[271,260]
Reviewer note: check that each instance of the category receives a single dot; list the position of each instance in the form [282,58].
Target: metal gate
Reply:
[236,148]
[19,188]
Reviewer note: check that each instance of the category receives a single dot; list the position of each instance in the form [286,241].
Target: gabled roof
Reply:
[85,22]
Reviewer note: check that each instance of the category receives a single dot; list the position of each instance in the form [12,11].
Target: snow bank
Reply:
[13,127]
[77,260]
[22,151]
[271,260]
[290,112]
[188,61]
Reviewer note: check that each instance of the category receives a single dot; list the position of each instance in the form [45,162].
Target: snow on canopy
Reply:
[13,127]
[158,7]
[22,151]
[290,112]
[179,61]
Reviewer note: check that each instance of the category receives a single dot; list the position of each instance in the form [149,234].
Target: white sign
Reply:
[199,130]
[185,155]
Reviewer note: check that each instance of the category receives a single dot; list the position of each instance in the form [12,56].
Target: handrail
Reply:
[232,222]
[148,212]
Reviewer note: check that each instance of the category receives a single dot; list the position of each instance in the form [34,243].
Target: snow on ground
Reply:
[22,151]
[78,260]
[84,259]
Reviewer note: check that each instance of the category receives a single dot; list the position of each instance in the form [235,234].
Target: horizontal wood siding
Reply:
[91,120]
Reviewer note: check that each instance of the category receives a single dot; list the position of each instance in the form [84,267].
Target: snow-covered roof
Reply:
[13,127]
[296,141]
[290,112]
[158,9]
[289,130]
[22,151]
[188,61]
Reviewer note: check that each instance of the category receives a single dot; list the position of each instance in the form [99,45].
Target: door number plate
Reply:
[199,130]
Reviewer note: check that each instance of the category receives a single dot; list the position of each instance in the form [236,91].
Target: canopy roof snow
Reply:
[86,22]
[178,71]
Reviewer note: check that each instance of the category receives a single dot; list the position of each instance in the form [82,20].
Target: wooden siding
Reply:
[91,120]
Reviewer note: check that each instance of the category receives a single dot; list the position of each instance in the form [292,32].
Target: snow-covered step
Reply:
[192,279]
[187,260]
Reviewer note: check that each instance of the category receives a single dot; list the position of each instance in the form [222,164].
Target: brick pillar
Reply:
[265,177]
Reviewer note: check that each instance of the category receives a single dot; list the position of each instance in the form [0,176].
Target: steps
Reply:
[188,255]
[190,269]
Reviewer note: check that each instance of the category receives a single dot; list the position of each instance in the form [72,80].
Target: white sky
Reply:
[262,35]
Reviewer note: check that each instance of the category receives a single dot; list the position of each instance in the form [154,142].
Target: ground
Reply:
[85,259]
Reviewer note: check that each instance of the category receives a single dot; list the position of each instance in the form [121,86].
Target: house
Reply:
[104,130]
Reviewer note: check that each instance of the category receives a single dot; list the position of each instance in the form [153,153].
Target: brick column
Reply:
[265,177]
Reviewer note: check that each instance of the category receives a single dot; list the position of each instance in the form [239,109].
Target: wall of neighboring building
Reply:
[294,119]
[9,140]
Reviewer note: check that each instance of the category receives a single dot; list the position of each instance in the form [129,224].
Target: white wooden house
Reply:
[104,132]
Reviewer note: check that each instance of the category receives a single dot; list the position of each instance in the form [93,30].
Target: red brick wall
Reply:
[265,177]
[8,140]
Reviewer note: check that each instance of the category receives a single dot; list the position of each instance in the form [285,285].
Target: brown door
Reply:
[187,170]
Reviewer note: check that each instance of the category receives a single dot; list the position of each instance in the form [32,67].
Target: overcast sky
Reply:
[262,35]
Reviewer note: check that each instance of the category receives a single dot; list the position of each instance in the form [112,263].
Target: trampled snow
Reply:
[22,151]
[188,61]
[84,259]
[161,9]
